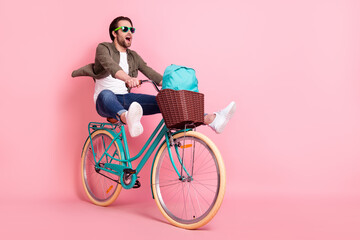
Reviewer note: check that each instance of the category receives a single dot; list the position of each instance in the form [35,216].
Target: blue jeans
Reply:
[109,104]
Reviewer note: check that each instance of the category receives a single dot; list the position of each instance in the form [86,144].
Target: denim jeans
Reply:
[113,105]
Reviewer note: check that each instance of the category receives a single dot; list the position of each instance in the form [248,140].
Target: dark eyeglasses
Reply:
[125,29]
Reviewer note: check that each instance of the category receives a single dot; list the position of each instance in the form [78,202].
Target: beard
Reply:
[122,42]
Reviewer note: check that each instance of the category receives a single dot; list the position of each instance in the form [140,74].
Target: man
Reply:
[116,69]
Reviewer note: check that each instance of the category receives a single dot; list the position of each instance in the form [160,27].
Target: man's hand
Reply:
[129,81]
[132,82]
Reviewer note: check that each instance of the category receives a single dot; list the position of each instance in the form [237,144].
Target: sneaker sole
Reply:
[228,117]
[134,115]
[232,110]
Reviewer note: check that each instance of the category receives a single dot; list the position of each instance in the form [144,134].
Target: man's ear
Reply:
[114,34]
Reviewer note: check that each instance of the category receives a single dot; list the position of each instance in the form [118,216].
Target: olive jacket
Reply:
[107,61]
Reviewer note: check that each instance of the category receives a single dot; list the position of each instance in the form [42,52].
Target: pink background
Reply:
[291,151]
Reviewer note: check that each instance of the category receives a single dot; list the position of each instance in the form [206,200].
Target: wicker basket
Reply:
[181,107]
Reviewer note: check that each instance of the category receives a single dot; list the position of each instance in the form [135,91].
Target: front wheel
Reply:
[189,194]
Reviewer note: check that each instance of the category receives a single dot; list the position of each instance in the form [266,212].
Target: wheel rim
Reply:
[189,199]
[100,187]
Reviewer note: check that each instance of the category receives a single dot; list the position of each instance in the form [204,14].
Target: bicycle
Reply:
[187,173]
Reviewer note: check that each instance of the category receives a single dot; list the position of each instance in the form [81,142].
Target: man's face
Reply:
[124,39]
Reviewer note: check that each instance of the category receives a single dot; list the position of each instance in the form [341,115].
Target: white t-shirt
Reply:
[117,86]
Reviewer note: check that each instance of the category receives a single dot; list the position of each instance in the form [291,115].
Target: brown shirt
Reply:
[107,61]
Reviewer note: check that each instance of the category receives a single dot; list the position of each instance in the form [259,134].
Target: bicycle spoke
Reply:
[191,198]
[204,173]
[205,185]
[175,192]
[100,187]
[183,194]
[171,184]
[204,164]
[197,199]
[192,203]
[201,196]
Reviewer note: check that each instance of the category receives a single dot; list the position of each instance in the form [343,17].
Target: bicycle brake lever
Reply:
[150,81]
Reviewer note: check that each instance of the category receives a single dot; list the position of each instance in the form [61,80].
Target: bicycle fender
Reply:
[82,151]
[119,143]
[152,167]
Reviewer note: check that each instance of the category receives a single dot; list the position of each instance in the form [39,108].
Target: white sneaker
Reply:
[133,116]
[222,117]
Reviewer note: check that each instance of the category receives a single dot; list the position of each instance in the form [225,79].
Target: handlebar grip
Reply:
[149,81]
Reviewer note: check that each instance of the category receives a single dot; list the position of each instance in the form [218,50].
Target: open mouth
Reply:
[128,39]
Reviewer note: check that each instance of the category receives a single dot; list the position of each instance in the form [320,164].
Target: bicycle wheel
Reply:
[99,188]
[192,200]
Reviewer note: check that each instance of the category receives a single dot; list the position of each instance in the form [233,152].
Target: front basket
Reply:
[180,108]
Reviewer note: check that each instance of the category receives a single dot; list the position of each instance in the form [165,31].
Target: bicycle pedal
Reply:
[129,171]
[137,184]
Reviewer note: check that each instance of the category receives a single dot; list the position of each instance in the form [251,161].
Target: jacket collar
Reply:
[115,49]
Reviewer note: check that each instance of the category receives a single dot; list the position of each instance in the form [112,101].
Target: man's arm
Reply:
[148,71]
[104,58]
[129,81]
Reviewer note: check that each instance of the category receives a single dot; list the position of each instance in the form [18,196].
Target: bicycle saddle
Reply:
[112,120]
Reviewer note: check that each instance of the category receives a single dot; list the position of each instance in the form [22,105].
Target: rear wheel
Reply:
[191,200]
[99,188]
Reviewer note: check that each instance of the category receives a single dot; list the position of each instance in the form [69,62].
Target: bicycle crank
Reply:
[128,179]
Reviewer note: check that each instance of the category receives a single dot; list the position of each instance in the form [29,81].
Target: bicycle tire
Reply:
[99,189]
[202,184]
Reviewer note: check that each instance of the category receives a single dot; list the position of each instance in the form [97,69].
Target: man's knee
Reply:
[106,95]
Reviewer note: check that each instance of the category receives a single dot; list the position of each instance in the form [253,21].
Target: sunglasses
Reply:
[125,29]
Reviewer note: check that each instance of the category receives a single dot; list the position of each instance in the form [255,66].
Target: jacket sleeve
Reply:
[104,58]
[148,71]
[84,71]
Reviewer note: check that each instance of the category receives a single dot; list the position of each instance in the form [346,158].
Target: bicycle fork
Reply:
[171,143]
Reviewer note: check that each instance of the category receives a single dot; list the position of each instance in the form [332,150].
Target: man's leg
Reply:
[216,121]
[147,102]
[107,105]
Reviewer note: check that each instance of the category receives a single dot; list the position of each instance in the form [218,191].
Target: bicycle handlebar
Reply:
[150,81]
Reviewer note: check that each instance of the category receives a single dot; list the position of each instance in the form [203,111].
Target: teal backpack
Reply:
[180,78]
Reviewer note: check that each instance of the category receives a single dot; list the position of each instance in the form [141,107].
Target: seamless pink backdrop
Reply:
[291,66]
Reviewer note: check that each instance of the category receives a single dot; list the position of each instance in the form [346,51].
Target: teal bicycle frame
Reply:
[120,138]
